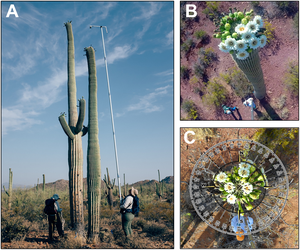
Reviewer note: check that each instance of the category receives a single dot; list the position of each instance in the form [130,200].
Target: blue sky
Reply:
[139,48]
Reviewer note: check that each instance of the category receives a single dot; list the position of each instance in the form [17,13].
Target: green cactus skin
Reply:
[74,130]
[93,151]
[43,183]
[252,69]
[37,185]
[159,187]
[110,186]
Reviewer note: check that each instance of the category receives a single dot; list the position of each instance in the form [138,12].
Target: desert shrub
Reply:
[206,57]
[288,8]
[72,241]
[238,82]
[269,32]
[159,211]
[193,80]
[284,113]
[154,228]
[184,72]
[255,3]
[280,102]
[211,10]
[13,228]
[201,35]
[296,23]
[216,94]
[291,78]
[187,45]
[138,223]
[189,107]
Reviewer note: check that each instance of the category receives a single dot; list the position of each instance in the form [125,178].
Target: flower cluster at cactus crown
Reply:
[241,185]
[239,34]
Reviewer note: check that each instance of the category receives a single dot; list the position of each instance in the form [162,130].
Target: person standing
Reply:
[126,211]
[52,208]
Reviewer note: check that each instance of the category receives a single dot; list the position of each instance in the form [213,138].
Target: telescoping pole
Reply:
[111,110]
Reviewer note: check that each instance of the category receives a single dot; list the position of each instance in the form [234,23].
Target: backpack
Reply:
[49,208]
[136,205]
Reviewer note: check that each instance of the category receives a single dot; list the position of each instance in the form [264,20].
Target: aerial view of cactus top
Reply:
[239,60]
[239,188]
[74,84]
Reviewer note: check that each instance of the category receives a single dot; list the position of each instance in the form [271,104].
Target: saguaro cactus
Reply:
[44,182]
[110,186]
[74,130]
[9,192]
[159,187]
[242,37]
[93,152]
[252,69]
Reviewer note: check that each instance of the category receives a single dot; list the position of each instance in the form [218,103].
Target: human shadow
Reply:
[271,112]
[239,114]
[233,115]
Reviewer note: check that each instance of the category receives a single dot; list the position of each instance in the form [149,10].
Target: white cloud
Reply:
[165,73]
[169,37]
[148,12]
[17,119]
[148,103]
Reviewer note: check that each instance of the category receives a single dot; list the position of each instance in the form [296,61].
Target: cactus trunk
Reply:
[43,183]
[10,188]
[74,131]
[110,186]
[252,69]
[93,152]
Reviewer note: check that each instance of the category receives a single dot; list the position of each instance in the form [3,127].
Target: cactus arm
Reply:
[81,116]
[113,183]
[65,126]
[84,130]
[5,190]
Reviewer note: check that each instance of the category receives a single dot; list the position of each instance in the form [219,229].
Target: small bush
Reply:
[190,108]
[193,81]
[288,8]
[296,23]
[184,72]
[280,102]
[255,3]
[269,32]
[211,10]
[206,57]
[216,94]
[291,78]
[201,35]
[285,113]
[238,82]
[13,228]
[187,46]
[155,229]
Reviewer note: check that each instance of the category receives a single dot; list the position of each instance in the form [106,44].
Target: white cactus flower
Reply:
[247,36]
[241,45]
[221,177]
[263,40]
[223,47]
[252,27]
[231,198]
[242,55]
[230,43]
[254,43]
[258,20]
[229,187]
[241,29]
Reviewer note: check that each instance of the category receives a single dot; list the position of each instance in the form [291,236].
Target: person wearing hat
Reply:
[239,224]
[60,219]
[127,216]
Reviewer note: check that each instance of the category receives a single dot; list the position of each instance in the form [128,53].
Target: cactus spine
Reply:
[252,69]
[93,152]
[110,187]
[74,130]
[43,182]
[159,187]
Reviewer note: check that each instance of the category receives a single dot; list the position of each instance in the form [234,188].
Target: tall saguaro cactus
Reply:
[159,187]
[110,186]
[93,152]
[9,193]
[74,130]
